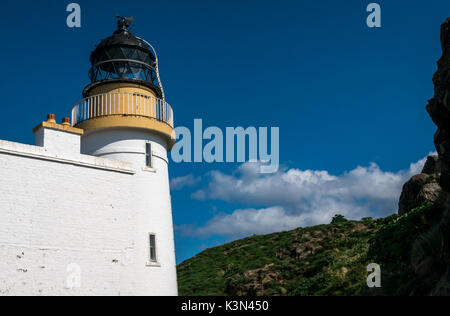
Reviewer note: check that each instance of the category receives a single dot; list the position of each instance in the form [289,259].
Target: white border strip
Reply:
[66,161]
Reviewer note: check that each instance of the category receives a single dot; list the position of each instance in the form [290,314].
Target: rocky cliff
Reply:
[422,187]
[439,110]
[412,248]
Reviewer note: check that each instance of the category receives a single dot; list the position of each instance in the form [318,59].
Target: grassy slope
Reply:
[321,260]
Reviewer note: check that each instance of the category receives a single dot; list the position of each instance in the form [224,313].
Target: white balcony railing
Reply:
[123,103]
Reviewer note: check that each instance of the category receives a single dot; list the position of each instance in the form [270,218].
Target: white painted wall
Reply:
[59,208]
[57,141]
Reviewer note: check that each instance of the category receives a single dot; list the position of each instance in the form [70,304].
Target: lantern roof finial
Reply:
[124,23]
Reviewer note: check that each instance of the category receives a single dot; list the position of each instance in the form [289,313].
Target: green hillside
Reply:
[323,260]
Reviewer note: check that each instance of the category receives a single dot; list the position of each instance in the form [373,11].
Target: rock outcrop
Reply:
[422,187]
[439,107]
[439,110]
[430,255]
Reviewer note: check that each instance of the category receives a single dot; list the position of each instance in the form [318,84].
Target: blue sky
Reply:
[349,100]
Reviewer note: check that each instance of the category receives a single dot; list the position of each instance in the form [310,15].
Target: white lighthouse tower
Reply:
[87,211]
[124,117]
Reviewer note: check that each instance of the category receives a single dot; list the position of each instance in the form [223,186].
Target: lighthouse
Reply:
[87,210]
[125,117]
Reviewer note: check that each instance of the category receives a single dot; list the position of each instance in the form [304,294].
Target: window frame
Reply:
[148,155]
[150,261]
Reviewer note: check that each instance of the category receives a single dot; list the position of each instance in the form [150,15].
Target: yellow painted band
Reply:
[132,121]
[119,87]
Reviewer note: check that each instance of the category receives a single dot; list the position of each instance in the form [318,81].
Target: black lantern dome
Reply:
[124,57]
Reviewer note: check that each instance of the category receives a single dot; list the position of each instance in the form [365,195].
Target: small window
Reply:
[153,257]
[148,155]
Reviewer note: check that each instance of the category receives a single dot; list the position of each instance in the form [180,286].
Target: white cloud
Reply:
[247,222]
[182,182]
[292,198]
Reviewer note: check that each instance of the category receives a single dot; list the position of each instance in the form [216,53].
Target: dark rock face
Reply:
[421,188]
[439,110]
[443,287]
[432,166]
[439,106]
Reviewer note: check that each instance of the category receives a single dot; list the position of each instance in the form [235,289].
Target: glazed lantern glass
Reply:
[123,56]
